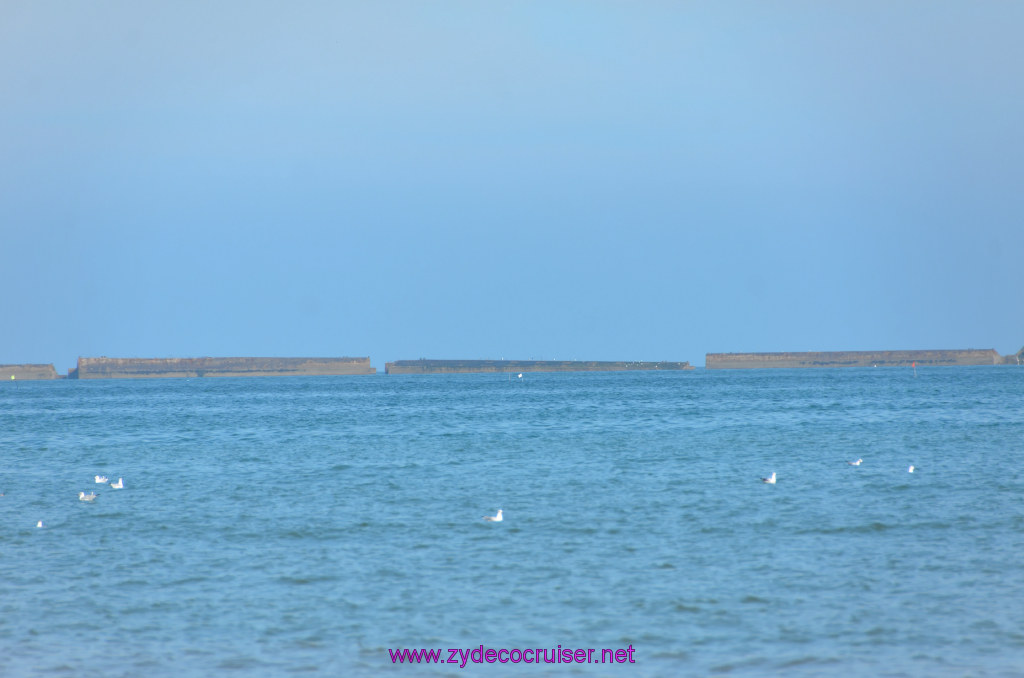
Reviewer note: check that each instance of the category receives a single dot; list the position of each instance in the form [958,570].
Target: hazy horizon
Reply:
[380,366]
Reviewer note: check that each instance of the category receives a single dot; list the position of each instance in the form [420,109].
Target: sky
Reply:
[550,179]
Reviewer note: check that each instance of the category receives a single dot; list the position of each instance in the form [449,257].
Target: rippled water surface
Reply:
[306,525]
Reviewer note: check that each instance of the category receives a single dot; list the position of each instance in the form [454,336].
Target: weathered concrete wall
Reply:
[144,368]
[852,359]
[27,372]
[489,366]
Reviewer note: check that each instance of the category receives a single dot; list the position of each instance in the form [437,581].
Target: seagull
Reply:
[911,469]
[119,485]
[39,524]
[102,479]
[855,463]
[770,479]
[495,519]
[82,496]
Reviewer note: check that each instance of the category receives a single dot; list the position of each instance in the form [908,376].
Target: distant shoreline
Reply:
[168,368]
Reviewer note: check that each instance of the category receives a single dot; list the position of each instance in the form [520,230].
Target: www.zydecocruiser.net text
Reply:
[465,656]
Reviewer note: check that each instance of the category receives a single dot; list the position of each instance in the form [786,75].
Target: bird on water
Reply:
[119,485]
[770,479]
[82,496]
[494,519]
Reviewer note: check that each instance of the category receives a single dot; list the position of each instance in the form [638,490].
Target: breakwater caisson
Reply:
[150,368]
[28,372]
[424,366]
[856,359]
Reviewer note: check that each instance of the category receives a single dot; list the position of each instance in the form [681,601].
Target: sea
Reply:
[319,526]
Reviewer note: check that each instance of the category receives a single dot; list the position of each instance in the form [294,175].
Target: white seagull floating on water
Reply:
[770,479]
[102,479]
[911,469]
[82,496]
[119,485]
[39,524]
[495,519]
[855,463]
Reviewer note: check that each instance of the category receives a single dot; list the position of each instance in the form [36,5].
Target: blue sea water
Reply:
[274,527]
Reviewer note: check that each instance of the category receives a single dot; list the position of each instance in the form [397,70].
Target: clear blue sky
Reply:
[547,179]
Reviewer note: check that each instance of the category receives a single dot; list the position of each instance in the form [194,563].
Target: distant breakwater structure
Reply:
[811,359]
[144,368]
[32,372]
[163,368]
[156,368]
[424,366]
